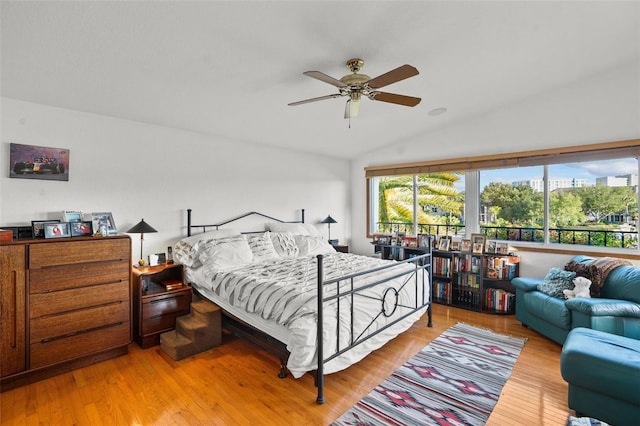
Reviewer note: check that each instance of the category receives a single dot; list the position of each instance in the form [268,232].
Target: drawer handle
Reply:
[84,308]
[75,333]
[165,299]
[84,286]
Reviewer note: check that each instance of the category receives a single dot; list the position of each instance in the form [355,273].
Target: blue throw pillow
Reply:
[557,279]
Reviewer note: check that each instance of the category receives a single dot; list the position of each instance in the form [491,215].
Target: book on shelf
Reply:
[499,300]
[171,284]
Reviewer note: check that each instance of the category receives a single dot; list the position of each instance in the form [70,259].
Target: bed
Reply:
[284,286]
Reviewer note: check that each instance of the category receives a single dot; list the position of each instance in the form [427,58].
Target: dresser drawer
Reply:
[166,304]
[79,275]
[85,251]
[51,327]
[54,351]
[55,302]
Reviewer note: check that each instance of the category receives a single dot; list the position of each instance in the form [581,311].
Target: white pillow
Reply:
[185,251]
[262,247]
[308,245]
[293,228]
[313,230]
[225,254]
[284,244]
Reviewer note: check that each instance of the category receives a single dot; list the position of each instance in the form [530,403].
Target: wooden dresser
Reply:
[65,303]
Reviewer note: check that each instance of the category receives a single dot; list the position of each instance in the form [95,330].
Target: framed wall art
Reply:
[38,162]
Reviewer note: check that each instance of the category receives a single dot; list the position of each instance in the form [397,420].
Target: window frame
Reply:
[471,166]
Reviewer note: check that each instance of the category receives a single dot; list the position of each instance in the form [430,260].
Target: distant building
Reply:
[623,180]
[538,184]
[612,181]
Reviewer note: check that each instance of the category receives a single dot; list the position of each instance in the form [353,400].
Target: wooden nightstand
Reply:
[341,248]
[155,308]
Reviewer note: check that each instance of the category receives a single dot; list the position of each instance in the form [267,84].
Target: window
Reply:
[512,203]
[586,195]
[589,203]
[418,204]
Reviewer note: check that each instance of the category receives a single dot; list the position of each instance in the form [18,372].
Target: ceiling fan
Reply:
[355,85]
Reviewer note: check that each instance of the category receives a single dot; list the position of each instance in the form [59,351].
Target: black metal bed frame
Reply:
[352,290]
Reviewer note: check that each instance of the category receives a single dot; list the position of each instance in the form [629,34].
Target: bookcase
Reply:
[396,252]
[479,282]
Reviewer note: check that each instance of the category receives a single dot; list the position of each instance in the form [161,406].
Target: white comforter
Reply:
[284,291]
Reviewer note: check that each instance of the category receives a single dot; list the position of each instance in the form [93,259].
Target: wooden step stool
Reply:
[197,332]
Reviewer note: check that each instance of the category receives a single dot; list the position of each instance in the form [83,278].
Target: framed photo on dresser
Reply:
[81,229]
[103,223]
[37,227]
[56,230]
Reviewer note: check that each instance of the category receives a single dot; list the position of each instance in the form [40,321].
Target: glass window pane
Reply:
[439,199]
[393,200]
[512,203]
[441,203]
[594,203]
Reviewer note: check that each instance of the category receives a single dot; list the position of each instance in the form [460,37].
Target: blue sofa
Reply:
[616,311]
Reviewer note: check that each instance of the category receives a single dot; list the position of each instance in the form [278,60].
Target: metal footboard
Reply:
[348,288]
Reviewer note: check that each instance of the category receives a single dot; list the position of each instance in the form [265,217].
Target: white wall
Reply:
[601,109]
[137,170]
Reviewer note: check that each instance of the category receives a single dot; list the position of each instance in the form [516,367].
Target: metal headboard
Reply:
[218,225]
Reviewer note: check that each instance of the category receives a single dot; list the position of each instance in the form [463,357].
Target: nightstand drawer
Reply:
[166,304]
[163,323]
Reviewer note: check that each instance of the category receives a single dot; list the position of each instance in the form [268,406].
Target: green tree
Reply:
[600,201]
[518,205]
[565,209]
[437,190]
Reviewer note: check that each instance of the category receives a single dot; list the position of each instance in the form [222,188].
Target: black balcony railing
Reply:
[589,237]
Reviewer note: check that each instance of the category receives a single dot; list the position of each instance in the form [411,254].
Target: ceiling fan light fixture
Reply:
[356,85]
[352,108]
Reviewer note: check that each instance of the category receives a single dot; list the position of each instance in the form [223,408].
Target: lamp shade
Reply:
[328,219]
[141,227]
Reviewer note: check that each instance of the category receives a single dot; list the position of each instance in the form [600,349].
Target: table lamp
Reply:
[329,220]
[141,228]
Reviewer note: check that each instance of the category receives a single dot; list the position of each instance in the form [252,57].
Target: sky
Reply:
[587,170]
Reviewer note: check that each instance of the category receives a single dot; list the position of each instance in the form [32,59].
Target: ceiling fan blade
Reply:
[323,77]
[321,98]
[352,108]
[393,76]
[395,99]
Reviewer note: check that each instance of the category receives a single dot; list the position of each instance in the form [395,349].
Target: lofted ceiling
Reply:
[229,68]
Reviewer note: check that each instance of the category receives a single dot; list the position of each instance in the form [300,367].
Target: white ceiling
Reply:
[229,69]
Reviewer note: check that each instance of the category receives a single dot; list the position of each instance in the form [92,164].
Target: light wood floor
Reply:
[236,384]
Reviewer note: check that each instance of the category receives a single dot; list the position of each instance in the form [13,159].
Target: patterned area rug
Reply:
[455,380]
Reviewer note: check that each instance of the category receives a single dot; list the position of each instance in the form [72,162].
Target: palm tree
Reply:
[435,190]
